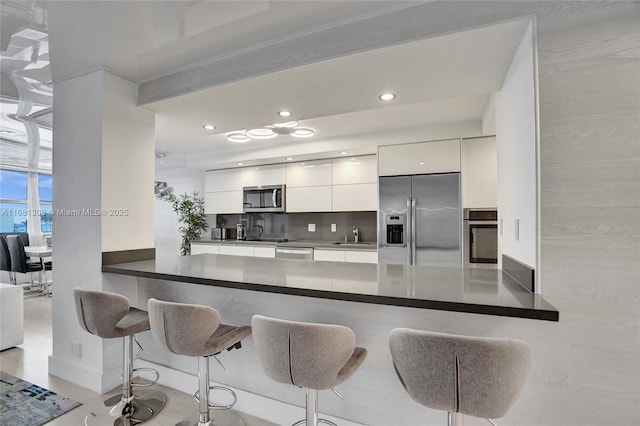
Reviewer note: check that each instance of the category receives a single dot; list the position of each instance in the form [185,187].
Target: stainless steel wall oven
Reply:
[481,237]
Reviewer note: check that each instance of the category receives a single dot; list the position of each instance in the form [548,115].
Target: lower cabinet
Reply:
[205,248]
[329,255]
[355,256]
[361,256]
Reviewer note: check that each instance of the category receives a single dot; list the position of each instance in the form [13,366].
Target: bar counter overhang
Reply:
[478,291]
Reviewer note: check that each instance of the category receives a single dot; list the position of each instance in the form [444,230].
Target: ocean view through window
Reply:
[14,212]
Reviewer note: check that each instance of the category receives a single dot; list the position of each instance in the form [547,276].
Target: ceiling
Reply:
[439,81]
[446,79]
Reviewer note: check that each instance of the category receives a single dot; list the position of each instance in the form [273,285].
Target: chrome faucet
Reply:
[356,233]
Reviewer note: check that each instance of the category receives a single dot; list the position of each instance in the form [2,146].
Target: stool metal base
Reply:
[217,418]
[145,405]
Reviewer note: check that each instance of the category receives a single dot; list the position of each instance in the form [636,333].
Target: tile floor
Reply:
[29,361]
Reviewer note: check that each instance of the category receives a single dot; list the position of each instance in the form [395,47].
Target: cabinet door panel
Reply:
[225,180]
[358,197]
[309,173]
[264,252]
[274,174]
[227,249]
[361,256]
[243,251]
[205,248]
[479,173]
[419,158]
[363,169]
[223,202]
[329,255]
[309,199]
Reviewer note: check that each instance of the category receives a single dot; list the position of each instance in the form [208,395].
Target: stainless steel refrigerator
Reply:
[420,220]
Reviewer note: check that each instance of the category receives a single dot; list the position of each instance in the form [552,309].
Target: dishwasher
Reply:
[304,253]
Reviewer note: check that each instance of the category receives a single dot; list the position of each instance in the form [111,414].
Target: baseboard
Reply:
[249,403]
[91,379]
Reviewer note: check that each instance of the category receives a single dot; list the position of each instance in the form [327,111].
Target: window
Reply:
[14,213]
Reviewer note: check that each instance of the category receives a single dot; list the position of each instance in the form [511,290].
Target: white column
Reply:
[102,160]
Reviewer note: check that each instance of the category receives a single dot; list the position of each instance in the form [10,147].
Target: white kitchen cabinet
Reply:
[309,173]
[242,250]
[309,199]
[227,249]
[274,174]
[205,248]
[419,158]
[479,173]
[329,255]
[361,256]
[223,190]
[356,197]
[223,202]
[264,252]
[352,170]
[225,180]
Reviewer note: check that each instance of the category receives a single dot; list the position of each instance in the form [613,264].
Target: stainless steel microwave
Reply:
[268,198]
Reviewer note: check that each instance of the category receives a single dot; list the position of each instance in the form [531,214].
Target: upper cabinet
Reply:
[479,173]
[223,190]
[274,174]
[354,183]
[350,170]
[309,173]
[225,180]
[419,158]
[309,186]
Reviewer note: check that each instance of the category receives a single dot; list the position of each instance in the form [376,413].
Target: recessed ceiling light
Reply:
[344,153]
[289,158]
[239,163]
[209,127]
[387,96]
[421,163]
[284,113]
[303,132]
[261,133]
[238,137]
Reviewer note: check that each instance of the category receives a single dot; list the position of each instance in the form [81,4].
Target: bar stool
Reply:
[477,376]
[109,315]
[195,330]
[307,355]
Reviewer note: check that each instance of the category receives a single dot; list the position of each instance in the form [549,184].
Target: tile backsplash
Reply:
[295,226]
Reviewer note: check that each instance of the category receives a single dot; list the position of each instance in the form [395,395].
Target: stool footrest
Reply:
[219,407]
[151,382]
[325,421]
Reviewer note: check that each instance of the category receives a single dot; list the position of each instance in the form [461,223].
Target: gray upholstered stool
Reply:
[195,330]
[308,355]
[109,315]
[478,376]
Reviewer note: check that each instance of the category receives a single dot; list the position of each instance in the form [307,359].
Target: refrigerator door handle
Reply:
[409,232]
[414,259]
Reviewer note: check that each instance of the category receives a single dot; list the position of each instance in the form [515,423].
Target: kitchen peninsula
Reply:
[372,299]
[478,291]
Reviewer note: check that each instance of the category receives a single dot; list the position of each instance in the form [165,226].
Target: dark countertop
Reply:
[322,245]
[480,291]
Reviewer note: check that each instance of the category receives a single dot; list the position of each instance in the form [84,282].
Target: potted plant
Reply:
[190,210]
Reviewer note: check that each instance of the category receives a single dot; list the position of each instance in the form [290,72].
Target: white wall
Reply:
[128,135]
[516,146]
[182,180]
